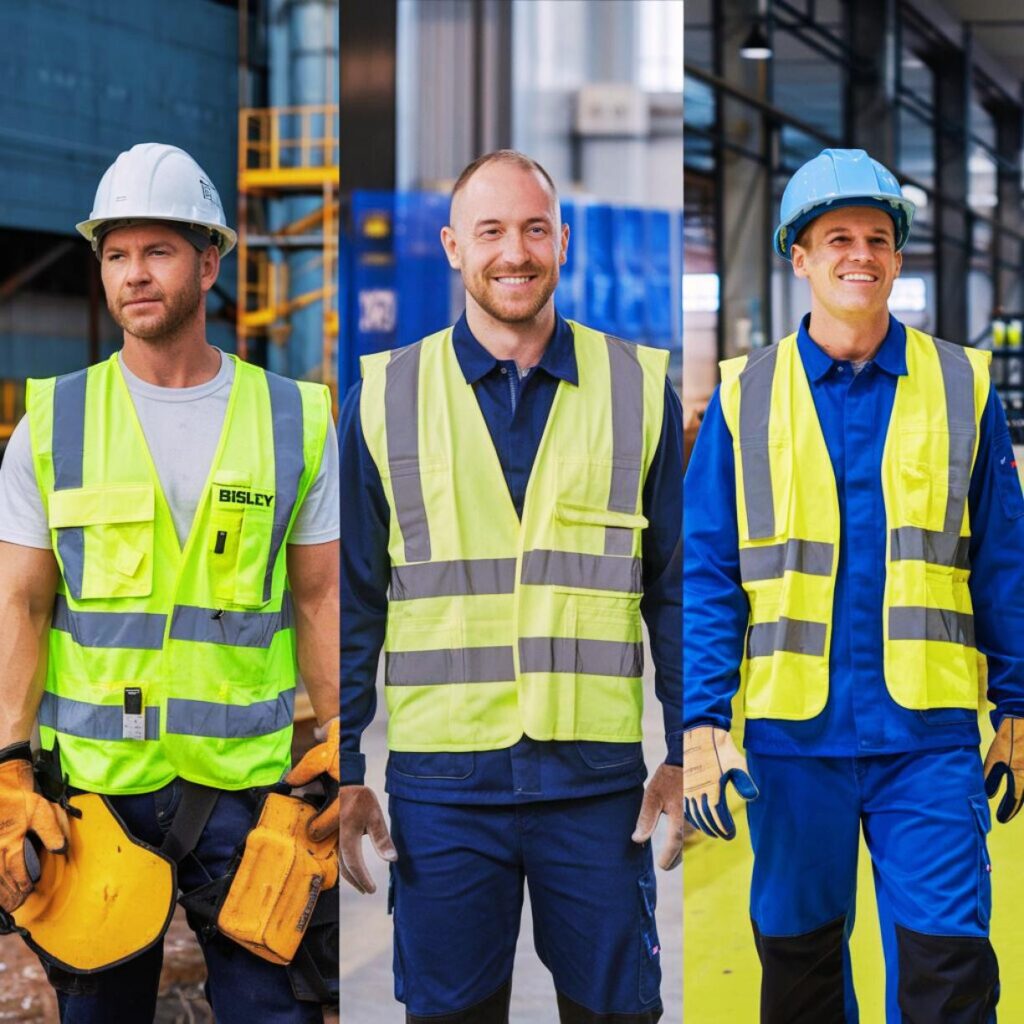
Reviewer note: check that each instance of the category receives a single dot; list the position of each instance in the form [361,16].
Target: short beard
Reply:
[521,316]
[177,312]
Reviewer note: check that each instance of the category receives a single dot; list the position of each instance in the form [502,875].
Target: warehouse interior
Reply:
[250,89]
[932,89]
[594,92]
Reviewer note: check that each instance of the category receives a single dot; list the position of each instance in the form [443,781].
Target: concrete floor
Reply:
[367,987]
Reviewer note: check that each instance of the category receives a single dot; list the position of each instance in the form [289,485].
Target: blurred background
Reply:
[933,89]
[250,89]
[594,92]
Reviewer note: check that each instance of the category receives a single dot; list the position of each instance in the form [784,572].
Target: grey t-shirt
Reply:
[182,427]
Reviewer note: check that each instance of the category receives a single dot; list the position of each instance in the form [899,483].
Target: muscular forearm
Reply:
[28,580]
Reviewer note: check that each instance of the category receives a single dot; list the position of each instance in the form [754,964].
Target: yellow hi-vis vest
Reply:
[788,516]
[498,627]
[166,662]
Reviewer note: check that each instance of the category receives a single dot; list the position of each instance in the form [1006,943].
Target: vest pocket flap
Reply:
[96,506]
[567,513]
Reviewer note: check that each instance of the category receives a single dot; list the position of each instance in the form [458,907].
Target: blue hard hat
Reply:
[833,179]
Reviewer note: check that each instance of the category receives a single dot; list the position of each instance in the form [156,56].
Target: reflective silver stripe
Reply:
[68,436]
[289,462]
[811,557]
[234,629]
[572,569]
[401,411]
[627,399]
[91,721]
[581,657]
[229,721]
[138,630]
[798,636]
[958,381]
[459,665]
[755,407]
[931,624]
[912,543]
[451,579]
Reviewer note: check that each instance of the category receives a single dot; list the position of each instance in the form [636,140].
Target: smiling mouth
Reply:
[861,277]
[514,281]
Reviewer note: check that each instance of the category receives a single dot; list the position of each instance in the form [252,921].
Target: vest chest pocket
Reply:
[932,472]
[239,539]
[104,537]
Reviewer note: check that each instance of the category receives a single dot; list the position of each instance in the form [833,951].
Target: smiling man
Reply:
[511,500]
[168,554]
[853,530]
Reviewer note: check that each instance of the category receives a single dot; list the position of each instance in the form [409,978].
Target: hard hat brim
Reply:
[899,208]
[228,238]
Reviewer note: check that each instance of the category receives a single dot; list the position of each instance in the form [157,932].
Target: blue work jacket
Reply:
[516,410]
[860,718]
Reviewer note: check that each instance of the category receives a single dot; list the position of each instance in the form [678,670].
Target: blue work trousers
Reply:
[457,896]
[925,818]
[241,988]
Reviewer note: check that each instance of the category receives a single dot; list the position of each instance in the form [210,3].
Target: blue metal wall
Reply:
[81,80]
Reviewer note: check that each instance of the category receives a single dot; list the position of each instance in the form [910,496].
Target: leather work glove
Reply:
[320,760]
[710,760]
[24,811]
[664,795]
[1006,757]
[361,815]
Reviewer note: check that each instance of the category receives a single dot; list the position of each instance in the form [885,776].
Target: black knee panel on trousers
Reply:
[948,978]
[802,976]
[492,1010]
[572,1013]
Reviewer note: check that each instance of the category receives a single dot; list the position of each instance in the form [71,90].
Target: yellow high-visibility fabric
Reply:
[528,627]
[204,632]
[789,554]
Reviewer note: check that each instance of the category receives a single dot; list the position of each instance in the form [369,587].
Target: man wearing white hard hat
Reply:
[854,531]
[168,544]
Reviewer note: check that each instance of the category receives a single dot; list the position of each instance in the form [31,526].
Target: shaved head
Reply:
[510,157]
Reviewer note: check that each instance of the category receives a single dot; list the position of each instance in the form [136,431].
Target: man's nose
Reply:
[138,270]
[514,250]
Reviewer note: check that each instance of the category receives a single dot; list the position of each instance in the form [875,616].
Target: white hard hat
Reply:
[153,181]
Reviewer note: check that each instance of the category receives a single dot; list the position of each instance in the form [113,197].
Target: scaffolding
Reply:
[288,153]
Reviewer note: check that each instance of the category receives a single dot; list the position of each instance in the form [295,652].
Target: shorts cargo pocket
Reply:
[983,821]
[650,947]
[104,539]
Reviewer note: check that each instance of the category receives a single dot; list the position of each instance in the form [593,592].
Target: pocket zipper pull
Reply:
[222,540]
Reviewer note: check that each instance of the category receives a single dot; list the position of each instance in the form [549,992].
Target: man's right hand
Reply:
[710,760]
[23,810]
[361,815]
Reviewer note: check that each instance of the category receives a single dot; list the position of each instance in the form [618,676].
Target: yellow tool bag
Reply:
[278,880]
[106,899]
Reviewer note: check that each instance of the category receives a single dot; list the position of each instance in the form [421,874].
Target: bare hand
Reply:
[361,815]
[664,795]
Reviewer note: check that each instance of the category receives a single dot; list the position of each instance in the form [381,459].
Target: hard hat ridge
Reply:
[836,178]
[155,181]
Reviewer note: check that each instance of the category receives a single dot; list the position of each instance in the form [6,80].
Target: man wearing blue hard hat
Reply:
[860,575]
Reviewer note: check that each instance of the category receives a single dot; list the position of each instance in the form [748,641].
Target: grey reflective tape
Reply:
[229,721]
[958,381]
[289,462]
[233,629]
[913,543]
[618,540]
[457,665]
[471,576]
[68,437]
[811,557]
[91,721]
[911,623]
[755,408]
[132,630]
[401,411]
[798,636]
[627,386]
[593,572]
[581,657]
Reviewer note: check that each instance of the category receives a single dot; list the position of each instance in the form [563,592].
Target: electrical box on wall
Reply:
[612,108]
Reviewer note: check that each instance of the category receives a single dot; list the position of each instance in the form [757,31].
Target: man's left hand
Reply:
[322,759]
[664,795]
[1006,757]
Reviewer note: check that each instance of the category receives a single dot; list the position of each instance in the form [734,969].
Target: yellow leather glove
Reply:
[710,760]
[1006,758]
[323,759]
[23,810]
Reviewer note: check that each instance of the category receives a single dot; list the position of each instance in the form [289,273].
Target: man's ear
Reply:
[451,248]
